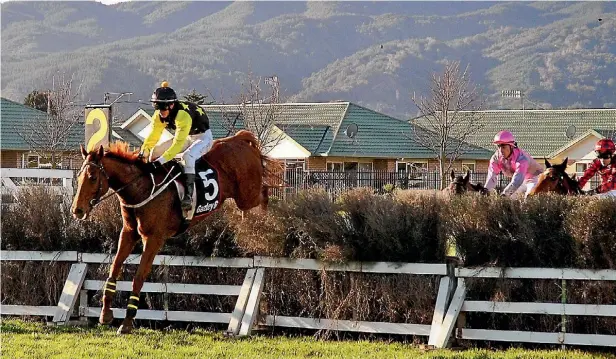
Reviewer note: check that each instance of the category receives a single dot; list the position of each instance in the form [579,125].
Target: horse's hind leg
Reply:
[150,249]
[128,239]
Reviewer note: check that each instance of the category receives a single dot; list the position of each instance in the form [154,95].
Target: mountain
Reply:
[372,53]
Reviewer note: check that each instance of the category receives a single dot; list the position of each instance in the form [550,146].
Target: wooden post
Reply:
[72,286]
[252,307]
[240,305]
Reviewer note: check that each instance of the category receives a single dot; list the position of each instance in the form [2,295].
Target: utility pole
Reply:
[275,84]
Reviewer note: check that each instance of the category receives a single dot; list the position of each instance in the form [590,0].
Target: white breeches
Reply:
[194,147]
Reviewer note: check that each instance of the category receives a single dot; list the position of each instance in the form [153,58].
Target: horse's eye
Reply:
[92,178]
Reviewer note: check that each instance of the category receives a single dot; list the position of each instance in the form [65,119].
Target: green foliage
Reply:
[375,56]
[195,97]
[37,100]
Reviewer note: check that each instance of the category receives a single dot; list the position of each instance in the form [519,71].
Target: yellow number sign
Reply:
[96,136]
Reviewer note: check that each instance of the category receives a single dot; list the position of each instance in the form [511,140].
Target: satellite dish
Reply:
[351,130]
[570,132]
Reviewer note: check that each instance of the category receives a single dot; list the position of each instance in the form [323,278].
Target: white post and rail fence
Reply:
[450,306]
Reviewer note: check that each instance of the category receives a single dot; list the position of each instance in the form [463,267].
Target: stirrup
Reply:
[186,202]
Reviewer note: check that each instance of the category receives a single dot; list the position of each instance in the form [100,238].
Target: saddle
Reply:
[207,191]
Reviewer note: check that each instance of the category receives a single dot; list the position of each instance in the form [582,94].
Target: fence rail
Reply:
[448,320]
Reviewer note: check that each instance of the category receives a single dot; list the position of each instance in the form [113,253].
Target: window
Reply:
[295,164]
[32,161]
[415,166]
[468,166]
[350,166]
[365,167]
[334,166]
[580,167]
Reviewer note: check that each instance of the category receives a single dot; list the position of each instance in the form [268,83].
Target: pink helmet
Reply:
[504,138]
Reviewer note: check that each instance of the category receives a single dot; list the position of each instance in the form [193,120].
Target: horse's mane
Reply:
[121,150]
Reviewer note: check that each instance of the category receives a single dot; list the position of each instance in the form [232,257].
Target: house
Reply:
[21,126]
[551,134]
[332,136]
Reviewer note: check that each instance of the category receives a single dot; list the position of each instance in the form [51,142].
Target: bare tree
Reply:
[48,136]
[258,109]
[450,115]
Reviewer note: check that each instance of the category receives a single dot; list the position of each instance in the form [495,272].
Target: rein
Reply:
[98,199]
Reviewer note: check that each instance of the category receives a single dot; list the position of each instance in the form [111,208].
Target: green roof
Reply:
[18,121]
[320,129]
[540,132]
[315,139]
[127,136]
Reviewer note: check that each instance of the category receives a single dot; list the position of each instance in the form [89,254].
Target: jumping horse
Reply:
[152,212]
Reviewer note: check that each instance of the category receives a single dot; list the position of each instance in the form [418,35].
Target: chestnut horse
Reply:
[555,179]
[240,165]
[461,185]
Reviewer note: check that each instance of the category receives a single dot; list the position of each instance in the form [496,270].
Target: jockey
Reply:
[193,137]
[605,164]
[513,162]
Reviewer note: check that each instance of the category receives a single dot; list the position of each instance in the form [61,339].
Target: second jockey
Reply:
[193,137]
[512,162]
[605,165]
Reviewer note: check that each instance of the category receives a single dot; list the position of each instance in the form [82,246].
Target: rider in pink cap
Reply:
[515,163]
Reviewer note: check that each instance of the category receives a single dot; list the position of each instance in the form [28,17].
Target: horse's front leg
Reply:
[150,249]
[128,239]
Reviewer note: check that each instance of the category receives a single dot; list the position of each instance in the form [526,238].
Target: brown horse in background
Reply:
[555,179]
[241,170]
[461,185]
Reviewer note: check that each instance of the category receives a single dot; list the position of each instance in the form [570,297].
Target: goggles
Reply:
[161,106]
[604,155]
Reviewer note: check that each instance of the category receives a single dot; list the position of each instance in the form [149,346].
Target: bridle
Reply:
[561,183]
[97,198]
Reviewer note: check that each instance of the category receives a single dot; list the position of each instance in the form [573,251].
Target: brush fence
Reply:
[449,309]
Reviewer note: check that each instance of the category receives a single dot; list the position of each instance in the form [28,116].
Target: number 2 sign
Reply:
[97,126]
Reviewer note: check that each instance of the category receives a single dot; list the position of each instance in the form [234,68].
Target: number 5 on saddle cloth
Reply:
[207,187]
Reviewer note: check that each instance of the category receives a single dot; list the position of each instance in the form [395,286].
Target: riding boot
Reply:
[187,201]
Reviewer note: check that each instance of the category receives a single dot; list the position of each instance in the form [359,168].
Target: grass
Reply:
[35,340]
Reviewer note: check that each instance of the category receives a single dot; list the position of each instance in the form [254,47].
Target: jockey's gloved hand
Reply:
[140,155]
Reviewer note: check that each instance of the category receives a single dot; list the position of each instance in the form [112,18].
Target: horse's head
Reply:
[92,183]
[555,179]
[462,184]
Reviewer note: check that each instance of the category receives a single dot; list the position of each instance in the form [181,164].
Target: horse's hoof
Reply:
[106,318]
[125,329]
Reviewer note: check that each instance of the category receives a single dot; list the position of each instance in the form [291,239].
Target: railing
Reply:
[335,182]
[449,309]
[13,179]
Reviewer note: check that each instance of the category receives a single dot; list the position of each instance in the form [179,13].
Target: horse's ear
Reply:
[547,163]
[564,164]
[467,176]
[101,151]
[84,154]
[453,175]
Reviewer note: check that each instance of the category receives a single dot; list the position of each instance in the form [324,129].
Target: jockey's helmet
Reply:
[605,148]
[163,96]
[504,138]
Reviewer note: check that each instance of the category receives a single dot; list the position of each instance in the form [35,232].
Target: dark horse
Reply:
[461,185]
[555,179]
[241,168]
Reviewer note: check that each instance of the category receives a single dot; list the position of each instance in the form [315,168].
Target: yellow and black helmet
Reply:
[163,96]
